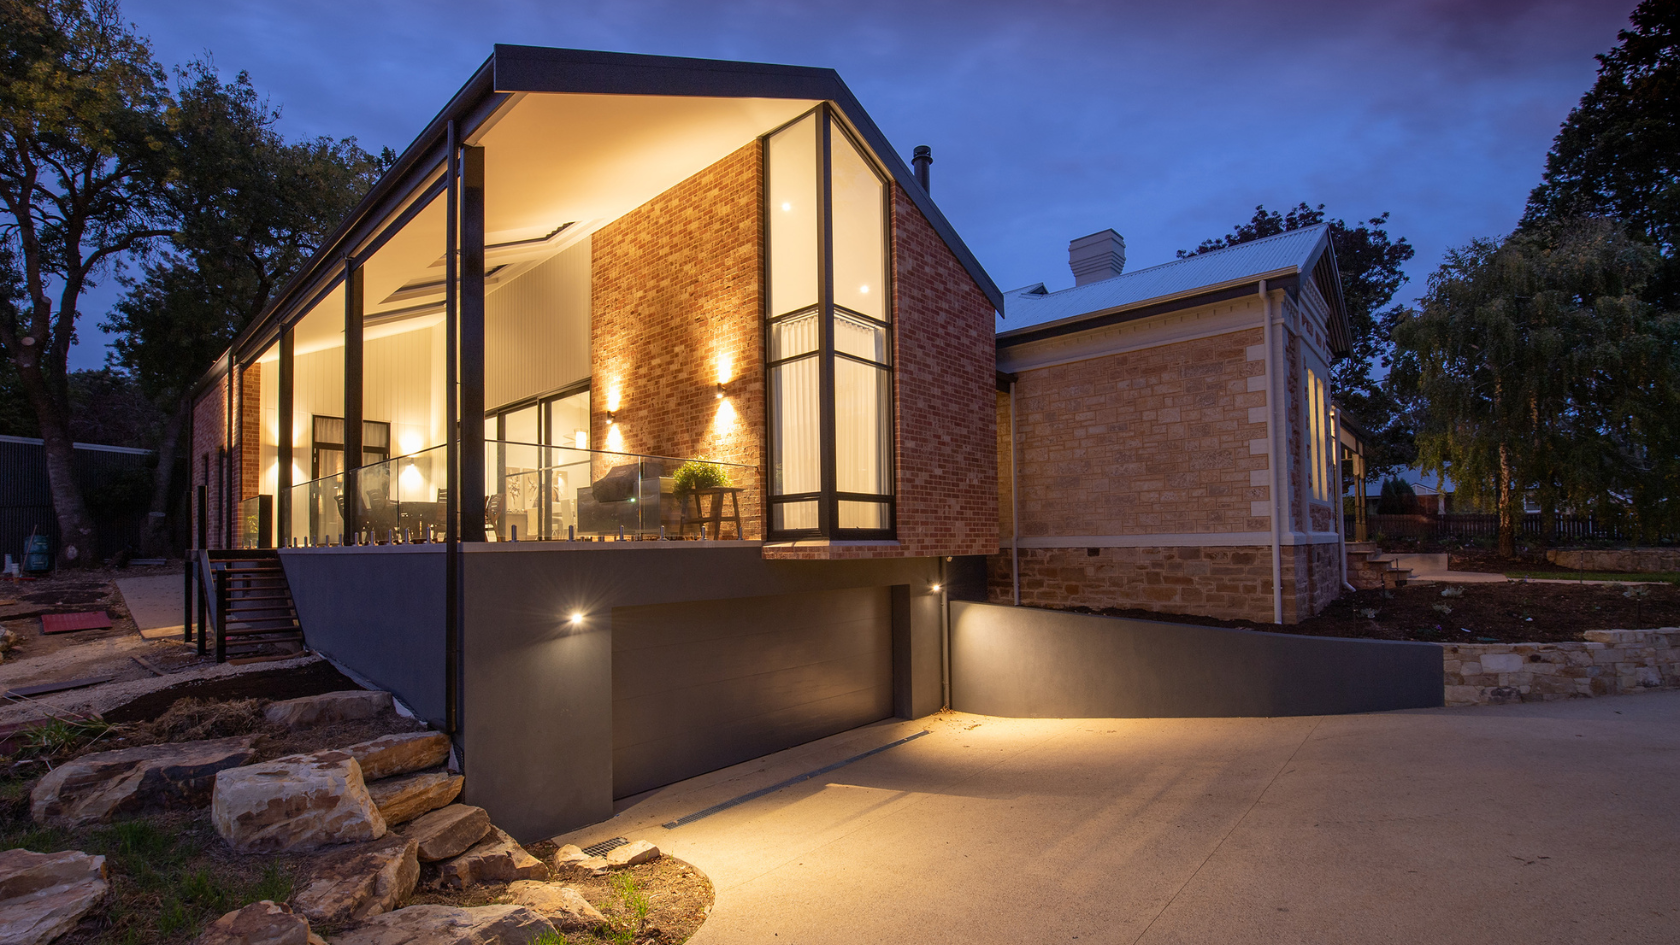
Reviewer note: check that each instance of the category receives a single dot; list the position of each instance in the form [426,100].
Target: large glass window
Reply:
[829,344]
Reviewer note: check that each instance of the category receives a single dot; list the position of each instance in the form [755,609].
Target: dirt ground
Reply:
[1519,612]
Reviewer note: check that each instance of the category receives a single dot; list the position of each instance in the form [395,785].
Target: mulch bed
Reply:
[1483,613]
[311,679]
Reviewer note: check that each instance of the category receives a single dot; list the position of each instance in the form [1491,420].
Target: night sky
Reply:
[1048,120]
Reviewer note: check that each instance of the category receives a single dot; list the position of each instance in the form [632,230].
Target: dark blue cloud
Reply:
[1048,120]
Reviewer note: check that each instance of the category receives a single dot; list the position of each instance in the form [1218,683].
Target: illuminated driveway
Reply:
[1536,823]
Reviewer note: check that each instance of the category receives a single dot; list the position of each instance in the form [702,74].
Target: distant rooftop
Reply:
[1296,251]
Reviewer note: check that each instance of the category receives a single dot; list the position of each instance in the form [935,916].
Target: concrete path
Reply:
[1530,823]
[154,602]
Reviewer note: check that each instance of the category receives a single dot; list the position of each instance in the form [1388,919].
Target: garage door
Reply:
[702,685]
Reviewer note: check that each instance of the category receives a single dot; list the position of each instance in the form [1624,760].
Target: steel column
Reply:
[283,480]
[472,343]
[352,397]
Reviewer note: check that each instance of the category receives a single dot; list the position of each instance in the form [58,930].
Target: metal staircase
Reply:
[251,605]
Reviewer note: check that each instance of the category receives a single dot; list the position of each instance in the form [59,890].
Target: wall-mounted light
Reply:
[937,588]
[720,391]
[576,618]
[612,417]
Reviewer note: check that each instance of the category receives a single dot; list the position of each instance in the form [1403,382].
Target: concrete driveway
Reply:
[1532,823]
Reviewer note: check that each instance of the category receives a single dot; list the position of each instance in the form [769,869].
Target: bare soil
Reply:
[293,682]
[679,897]
[1470,613]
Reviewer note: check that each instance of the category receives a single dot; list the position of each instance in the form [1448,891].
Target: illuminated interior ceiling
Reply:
[557,168]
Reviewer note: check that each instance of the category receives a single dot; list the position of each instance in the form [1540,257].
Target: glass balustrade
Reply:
[533,493]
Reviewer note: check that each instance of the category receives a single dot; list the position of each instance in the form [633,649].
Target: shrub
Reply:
[699,474]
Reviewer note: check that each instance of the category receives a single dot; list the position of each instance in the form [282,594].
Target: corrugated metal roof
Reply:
[1295,250]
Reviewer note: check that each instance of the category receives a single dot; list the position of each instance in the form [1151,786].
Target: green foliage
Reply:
[698,474]
[1370,263]
[1618,152]
[1544,370]
[56,736]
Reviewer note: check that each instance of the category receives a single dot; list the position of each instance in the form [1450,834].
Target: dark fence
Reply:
[1479,525]
[114,484]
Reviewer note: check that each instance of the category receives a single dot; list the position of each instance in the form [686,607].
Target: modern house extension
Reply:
[628,429]
[1139,415]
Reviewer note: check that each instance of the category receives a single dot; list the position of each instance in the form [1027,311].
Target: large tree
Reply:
[248,209]
[1544,370]
[81,151]
[1370,263]
[1618,153]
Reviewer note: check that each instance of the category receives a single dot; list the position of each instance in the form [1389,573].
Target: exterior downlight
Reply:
[828,327]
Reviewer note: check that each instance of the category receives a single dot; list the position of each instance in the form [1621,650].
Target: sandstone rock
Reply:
[495,859]
[633,853]
[358,882]
[593,865]
[561,905]
[96,787]
[44,895]
[448,831]
[400,754]
[449,925]
[405,798]
[301,802]
[328,707]
[260,923]
[569,855]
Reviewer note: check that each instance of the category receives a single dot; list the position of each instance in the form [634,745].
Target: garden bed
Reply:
[1518,612]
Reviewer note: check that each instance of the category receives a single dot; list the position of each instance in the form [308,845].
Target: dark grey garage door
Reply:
[702,685]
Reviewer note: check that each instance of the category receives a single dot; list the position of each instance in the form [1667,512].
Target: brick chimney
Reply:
[1097,257]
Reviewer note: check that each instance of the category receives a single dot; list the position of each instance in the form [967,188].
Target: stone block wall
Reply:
[1627,559]
[1226,583]
[1610,662]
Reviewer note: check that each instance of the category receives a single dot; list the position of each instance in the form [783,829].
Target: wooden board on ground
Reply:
[45,688]
[85,620]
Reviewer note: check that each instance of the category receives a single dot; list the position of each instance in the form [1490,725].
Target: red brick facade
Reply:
[675,302]
[209,436]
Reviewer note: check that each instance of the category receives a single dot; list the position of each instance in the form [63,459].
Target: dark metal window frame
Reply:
[829,497]
[317,445]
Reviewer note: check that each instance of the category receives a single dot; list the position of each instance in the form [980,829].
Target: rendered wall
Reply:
[1028,663]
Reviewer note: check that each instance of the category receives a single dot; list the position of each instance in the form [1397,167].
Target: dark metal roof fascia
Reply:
[1327,275]
[543,69]
[1115,316]
[373,208]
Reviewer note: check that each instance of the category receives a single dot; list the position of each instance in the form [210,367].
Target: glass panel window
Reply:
[793,217]
[870,515]
[796,405]
[568,422]
[795,516]
[859,230]
[861,446]
[793,336]
[860,338]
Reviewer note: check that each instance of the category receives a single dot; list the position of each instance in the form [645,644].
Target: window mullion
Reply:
[826,508]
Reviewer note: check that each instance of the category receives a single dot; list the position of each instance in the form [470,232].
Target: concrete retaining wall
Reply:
[1626,559]
[1611,662]
[1031,663]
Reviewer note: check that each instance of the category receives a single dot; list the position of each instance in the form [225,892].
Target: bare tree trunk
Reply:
[156,541]
[76,547]
[1507,520]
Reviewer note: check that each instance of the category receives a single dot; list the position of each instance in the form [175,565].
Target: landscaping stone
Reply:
[559,904]
[358,882]
[260,923]
[44,895]
[593,865]
[400,754]
[301,802]
[448,831]
[450,925]
[98,786]
[569,855]
[498,858]
[328,707]
[633,853]
[1610,662]
[402,799]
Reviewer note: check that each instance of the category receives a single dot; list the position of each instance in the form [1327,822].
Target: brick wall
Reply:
[208,437]
[675,292]
[250,431]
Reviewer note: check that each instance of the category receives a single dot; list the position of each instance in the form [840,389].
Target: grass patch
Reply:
[1666,577]
[170,873]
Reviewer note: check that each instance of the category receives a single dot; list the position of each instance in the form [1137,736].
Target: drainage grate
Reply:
[754,795]
[600,849]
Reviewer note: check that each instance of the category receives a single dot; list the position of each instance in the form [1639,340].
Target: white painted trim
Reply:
[1180,540]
